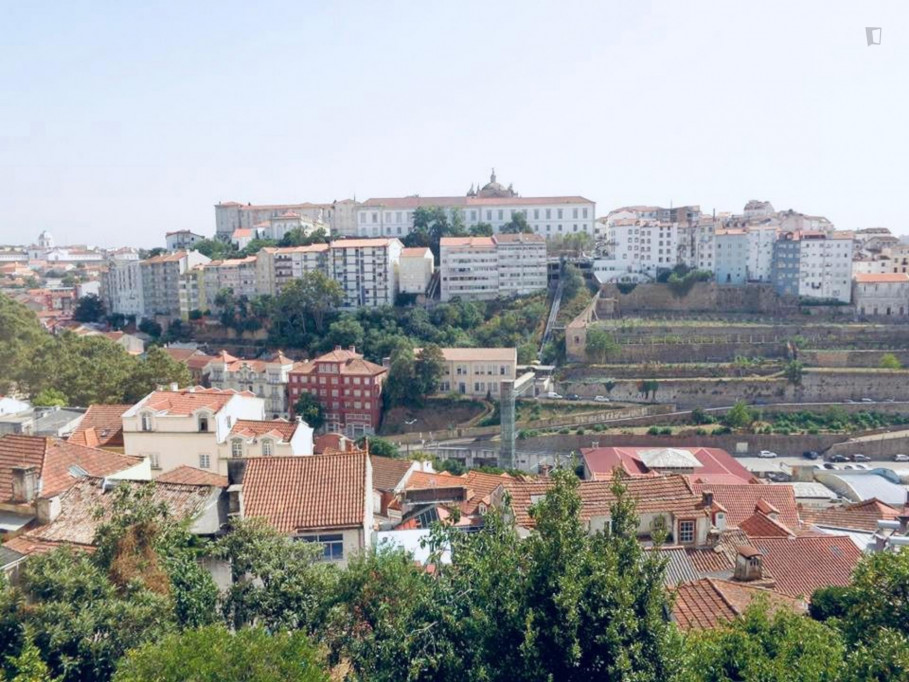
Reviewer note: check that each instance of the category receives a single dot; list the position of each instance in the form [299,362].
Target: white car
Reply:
[600,399]
[901,458]
[553,395]
[766,454]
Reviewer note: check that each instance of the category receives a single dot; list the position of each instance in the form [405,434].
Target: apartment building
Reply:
[477,372]
[415,270]
[235,274]
[483,268]
[493,204]
[761,239]
[814,265]
[277,267]
[731,256]
[367,270]
[121,283]
[182,240]
[348,387]
[266,379]
[639,249]
[884,295]
[164,289]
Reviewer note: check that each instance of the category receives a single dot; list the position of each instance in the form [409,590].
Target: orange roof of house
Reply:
[415,252]
[388,472]
[186,475]
[478,242]
[351,363]
[102,426]
[805,563]
[378,242]
[856,516]
[332,442]
[742,500]
[709,602]
[867,278]
[307,493]
[55,460]
[477,484]
[187,401]
[253,428]
[761,525]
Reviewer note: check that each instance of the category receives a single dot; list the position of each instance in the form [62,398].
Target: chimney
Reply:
[174,386]
[353,349]
[236,469]
[25,484]
[748,564]
[337,347]
[707,498]
[904,523]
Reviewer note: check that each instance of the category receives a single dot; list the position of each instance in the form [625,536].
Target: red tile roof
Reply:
[718,466]
[350,363]
[308,493]
[803,564]
[249,428]
[387,472]
[742,500]
[54,460]
[187,475]
[477,485]
[102,426]
[761,525]
[187,401]
[867,278]
[332,442]
[857,516]
[709,602]
[720,559]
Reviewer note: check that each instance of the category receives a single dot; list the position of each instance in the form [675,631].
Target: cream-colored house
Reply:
[415,270]
[267,379]
[477,371]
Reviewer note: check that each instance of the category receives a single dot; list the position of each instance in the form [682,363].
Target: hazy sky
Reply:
[120,121]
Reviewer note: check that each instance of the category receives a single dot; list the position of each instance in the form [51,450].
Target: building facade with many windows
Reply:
[483,268]
[266,379]
[477,372]
[348,387]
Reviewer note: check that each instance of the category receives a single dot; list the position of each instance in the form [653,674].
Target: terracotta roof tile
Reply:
[187,401]
[252,428]
[387,473]
[761,525]
[866,278]
[856,516]
[717,466]
[802,564]
[55,460]
[187,475]
[102,426]
[741,500]
[710,602]
[308,493]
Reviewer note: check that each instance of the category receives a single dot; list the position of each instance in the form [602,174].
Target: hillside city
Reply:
[485,436]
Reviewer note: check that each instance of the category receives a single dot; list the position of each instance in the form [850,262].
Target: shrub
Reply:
[653,431]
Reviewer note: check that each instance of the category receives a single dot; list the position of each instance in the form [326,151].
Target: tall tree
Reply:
[428,370]
[517,225]
[310,410]
[89,309]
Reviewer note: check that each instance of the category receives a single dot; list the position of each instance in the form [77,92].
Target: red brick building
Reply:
[348,387]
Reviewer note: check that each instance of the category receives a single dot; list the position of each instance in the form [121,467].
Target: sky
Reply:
[121,121]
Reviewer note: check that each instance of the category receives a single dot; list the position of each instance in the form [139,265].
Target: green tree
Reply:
[481,230]
[156,369]
[766,645]
[216,249]
[310,410]
[600,345]
[20,334]
[878,596]
[214,653]
[89,309]
[150,327]
[648,388]
[428,370]
[49,397]
[517,225]
[574,282]
[307,298]
[399,386]
[27,666]
[345,332]
[883,658]
[739,417]
[297,237]
[793,372]
[379,446]
[890,361]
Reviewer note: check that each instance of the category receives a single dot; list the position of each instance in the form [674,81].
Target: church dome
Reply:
[495,189]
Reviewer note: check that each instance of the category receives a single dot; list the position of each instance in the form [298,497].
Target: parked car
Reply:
[829,465]
[767,454]
[901,458]
[573,396]
[861,458]
[890,400]
[600,399]
[778,477]
[867,400]
[851,401]
[553,395]
[838,458]
[811,454]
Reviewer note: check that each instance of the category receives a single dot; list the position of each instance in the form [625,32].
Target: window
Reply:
[236,447]
[204,461]
[203,423]
[268,447]
[332,545]
[686,532]
[154,460]
[146,421]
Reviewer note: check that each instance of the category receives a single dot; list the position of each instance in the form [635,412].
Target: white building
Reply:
[814,265]
[232,215]
[881,295]
[755,209]
[121,284]
[482,268]
[492,204]
[416,268]
[204,428]
[266,379]
[367,270]
[182,240]
[477,371]
[761,239]
[638,250]
[277,267]
[731,256]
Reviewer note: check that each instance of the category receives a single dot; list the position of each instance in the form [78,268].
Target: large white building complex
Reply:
[482,268]
[492,204]
[339,216]
[814,265]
